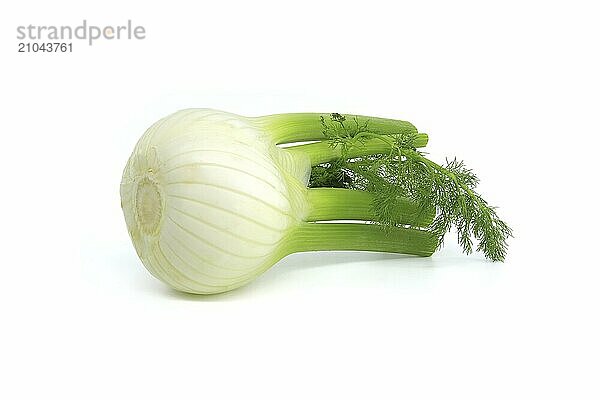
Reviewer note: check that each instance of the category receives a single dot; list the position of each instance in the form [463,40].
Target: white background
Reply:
[512,88]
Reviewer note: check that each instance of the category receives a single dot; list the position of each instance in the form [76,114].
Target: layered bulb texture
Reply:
[208,199]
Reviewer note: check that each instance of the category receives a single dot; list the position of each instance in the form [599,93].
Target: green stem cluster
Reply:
[335,204]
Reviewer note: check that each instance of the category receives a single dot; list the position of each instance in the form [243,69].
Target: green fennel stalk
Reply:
[380,157]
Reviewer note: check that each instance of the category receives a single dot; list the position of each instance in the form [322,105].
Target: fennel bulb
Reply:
[211,202]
